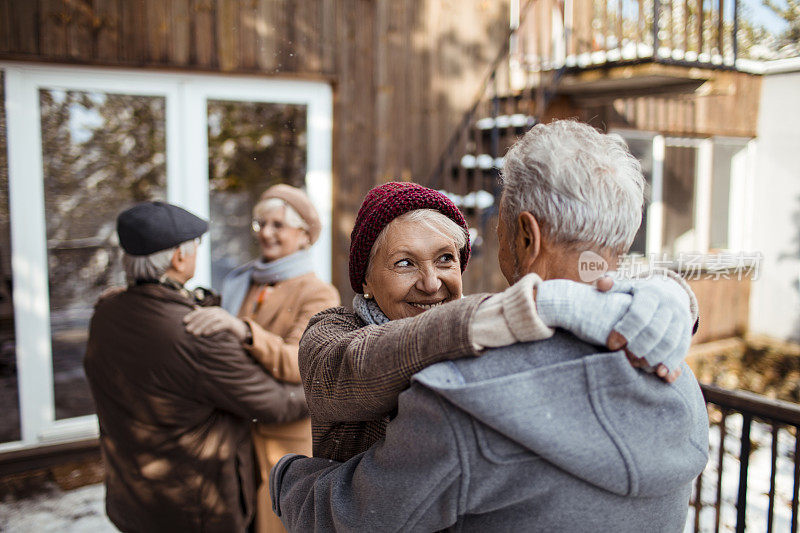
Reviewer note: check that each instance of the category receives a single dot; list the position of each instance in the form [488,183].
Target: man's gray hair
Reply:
[290,215]
[152,267]
[433,220]
[583,185]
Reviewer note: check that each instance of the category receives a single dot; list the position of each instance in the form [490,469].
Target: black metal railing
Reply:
[487,92]
[759,418]
[468,167]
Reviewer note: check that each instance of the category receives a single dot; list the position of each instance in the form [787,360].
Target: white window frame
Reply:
[740,201]
[186,97]
[655,209]
[702,187]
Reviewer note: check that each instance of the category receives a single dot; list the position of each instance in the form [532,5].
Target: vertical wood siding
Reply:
[403,71]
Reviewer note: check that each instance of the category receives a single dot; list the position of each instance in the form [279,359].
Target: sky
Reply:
[763,16]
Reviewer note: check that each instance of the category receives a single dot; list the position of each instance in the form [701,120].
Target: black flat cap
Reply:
[150,227]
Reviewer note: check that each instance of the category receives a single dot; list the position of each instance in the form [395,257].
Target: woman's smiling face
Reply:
[414,269]
[276,237]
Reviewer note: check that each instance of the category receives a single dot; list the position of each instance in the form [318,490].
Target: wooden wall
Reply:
[725,104]
[723,302]
[403,71]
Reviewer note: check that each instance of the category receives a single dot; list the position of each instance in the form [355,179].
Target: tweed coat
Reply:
[277,324]
[175,412]
[353,373]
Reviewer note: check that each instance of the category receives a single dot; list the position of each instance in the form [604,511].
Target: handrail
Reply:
[778,414]
[755,404]
[469,116]
[673,33]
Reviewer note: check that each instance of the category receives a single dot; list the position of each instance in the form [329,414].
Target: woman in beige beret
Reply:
[267,303]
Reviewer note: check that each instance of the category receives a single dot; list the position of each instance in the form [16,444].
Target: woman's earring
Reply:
[367,296]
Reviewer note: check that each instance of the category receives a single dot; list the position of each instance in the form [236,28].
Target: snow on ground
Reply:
[74,511]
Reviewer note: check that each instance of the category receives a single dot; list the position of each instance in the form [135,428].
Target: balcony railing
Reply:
[549,41]
[586,33]
[734,486]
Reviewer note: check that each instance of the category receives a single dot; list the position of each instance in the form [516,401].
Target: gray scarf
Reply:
[368,310]
[260,272]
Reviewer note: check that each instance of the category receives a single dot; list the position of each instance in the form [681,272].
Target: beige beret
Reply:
[300,202]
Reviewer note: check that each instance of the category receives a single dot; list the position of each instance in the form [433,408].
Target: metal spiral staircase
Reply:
[560,50]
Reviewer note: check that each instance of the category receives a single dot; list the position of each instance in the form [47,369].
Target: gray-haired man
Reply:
[557,435]
[174,409]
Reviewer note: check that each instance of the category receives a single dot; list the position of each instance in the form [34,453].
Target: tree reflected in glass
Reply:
[101,153]
[251,146]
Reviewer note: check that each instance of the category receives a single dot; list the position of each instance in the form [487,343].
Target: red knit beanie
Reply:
[382,205]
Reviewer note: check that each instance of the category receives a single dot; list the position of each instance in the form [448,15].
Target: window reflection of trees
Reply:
[101,153]
[251,145]
[9,395]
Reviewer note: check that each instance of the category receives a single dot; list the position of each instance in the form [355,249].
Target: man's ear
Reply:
[177,259]
[529,240]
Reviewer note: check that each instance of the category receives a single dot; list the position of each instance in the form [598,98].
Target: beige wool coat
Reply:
[278,315]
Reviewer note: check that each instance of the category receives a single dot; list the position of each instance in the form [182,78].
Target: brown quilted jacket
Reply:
[174,413]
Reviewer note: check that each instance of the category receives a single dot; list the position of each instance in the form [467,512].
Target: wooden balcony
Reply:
[580,36]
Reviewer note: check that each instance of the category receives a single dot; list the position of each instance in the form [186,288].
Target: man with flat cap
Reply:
[174,409]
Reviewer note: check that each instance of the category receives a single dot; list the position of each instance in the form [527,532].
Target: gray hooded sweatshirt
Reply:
[545,436]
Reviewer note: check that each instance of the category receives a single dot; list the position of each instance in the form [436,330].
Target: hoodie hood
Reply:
[590,414]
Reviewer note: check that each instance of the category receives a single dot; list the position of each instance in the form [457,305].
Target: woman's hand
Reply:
[207,321]
[656,328]
[650,318]
[617,342]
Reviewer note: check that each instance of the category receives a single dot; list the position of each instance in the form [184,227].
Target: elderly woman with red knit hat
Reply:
[267,304]
[408,249]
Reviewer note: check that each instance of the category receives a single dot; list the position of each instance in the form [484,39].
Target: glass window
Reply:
[729,162]
[9,392]
[108,142]
[251,146]
[680,169]
[101,153]
[642,149]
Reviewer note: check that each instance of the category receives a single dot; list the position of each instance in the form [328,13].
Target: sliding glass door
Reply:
[84,144]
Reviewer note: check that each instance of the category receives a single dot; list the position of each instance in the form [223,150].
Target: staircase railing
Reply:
[489,82]
[508,103]
[550,39]
[552,36]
